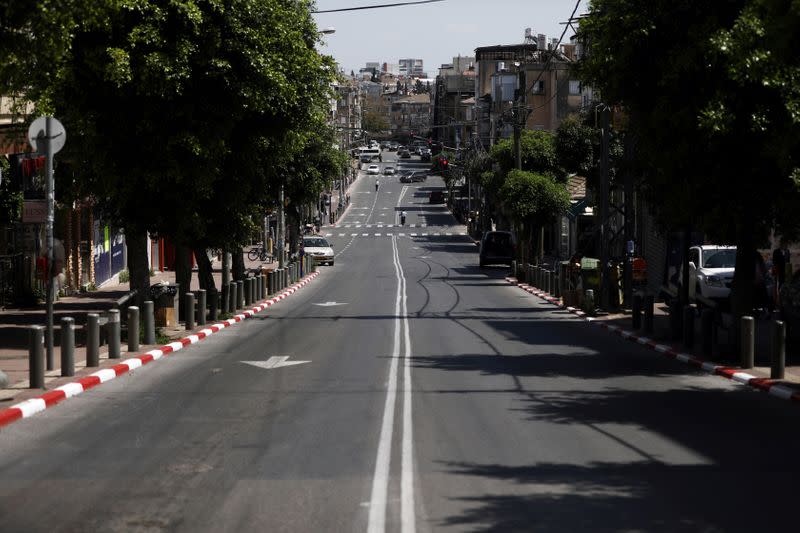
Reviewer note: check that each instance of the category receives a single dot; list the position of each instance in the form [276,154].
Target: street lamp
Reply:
[327,31]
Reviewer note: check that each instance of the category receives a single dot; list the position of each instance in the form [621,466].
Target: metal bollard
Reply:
[240,294]
[778,350]
[557,286]
[232,297]
[514,269]
[36,357]
[225,297]
[92,339]
[707,331]
[201,307]
[270,282]
[688,326]
[747,340]
[649,304]
[133,329]
[588,302]
[113,334]
[636,311]
[248,291]
[213,300]
[149,322]
[263,286]
[67,346]
[189,306]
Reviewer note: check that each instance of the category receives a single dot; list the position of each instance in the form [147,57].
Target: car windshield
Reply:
[316,242]
[720,258]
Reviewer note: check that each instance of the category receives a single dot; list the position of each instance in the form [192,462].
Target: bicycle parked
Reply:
[259,253]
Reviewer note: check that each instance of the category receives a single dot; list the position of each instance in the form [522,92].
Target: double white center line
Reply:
[380,480]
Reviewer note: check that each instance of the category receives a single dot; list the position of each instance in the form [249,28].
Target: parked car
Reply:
[711,268]
[373,169]
[497,247]
[388,171]
[318,248]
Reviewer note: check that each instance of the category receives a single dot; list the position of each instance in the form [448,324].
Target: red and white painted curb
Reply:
[770,386]
[57,395]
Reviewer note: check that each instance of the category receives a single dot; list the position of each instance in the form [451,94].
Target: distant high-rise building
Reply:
[412,68]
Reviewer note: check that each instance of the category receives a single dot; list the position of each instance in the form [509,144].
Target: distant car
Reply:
[497,247]
[373,169]
[711,270]
[404,154]
[405,177]
[418,176]
[388,171]
[437,197]
[318,248]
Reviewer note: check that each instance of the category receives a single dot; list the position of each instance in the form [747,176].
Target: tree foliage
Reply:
[711,90]
[374,122]
[575,146]
[538,151]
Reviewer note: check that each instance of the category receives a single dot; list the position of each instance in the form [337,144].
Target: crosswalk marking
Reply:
[389,234]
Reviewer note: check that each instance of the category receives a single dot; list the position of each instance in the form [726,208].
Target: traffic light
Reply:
[444,164]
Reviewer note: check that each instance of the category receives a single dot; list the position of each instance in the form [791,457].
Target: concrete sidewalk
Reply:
[725,357]
[15,322]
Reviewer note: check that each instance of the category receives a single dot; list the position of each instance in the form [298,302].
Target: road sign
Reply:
[57,133]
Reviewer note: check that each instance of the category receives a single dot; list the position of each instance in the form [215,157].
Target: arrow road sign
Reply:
[276,361]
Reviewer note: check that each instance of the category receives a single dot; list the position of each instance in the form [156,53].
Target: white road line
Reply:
[380,482]
[407,506]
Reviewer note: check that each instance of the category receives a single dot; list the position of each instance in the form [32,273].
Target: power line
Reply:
[550,56]
[378,6]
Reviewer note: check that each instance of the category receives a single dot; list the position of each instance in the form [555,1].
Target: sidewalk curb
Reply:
[32,406]
[770,386]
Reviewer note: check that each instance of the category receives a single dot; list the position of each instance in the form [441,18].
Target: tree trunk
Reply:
[226,278]
[238,263]
[205,273]
[139,270]
[684,289]
[183,274]
[743,294]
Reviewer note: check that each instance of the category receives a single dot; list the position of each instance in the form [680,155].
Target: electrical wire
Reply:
[550,56]
[397,4]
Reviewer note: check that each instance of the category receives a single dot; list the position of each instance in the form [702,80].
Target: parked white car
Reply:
[711,268]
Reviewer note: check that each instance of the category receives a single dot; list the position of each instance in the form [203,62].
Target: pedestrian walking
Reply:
[402,218]
[377,184]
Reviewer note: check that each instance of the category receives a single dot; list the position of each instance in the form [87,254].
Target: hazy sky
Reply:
[435,32]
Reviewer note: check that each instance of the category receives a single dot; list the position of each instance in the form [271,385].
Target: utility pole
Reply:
[604,192]
[48,144]
[281,230]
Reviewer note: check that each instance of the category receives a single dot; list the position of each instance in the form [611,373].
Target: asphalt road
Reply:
[435,397]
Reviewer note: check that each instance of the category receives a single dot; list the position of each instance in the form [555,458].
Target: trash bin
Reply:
[165,304]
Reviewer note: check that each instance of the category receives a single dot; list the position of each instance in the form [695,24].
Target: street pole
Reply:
[281,230]
[48,148]
[604,186]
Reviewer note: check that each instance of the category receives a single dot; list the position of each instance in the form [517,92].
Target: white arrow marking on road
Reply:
[276,361]
[330,304]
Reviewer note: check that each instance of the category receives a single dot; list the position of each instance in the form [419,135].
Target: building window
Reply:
[538,87]
[574,87]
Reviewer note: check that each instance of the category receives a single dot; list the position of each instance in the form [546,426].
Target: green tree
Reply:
[176,106]
[374,122]
[538,151]
[532,200]
[734,124]
[574,146]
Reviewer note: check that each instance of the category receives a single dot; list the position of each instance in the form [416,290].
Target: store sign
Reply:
[34,211]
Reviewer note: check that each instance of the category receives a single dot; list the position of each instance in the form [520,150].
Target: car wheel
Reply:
[330,263]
